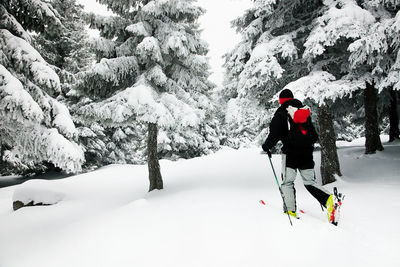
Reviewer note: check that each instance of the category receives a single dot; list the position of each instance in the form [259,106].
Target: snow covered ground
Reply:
[208,215]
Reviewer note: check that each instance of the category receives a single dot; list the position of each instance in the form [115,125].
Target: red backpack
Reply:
[300,133]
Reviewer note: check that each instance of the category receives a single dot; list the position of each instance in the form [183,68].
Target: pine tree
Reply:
[326,51]
[394,132]
[270,57]
[67,49]
[365,33]
[35,128]
[256,66]
[375,56]
[152,70]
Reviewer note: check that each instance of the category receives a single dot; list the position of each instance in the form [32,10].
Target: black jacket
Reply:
[297,156]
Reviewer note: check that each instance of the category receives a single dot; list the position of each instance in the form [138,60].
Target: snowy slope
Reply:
[208,215]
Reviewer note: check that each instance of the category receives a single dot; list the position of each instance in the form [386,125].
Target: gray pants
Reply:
[309,180]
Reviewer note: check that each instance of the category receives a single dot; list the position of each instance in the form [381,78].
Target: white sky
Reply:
[216,27]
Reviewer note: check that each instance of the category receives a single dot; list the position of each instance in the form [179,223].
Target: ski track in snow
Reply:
[208,215]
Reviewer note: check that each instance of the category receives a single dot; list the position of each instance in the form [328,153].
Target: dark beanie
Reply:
[285,95]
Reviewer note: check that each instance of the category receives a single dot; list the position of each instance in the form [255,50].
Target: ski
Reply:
[337,204]
[262,202]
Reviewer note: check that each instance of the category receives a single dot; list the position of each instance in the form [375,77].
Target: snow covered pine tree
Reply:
[153,70]
[35,128]
[68,48]
[365,34]
[269,57]
[327,51]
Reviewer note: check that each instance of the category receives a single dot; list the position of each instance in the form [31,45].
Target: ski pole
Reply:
[280,190]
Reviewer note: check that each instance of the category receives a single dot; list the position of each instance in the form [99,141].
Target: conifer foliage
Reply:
[267,58]
[152,70]
[67,48]
[326,52]
[35,127]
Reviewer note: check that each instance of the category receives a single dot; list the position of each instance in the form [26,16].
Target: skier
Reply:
[292,126]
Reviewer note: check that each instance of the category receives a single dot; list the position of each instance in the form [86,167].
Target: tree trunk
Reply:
[394,132]
[372,139]
[155,178]
[2,164]
[329,158]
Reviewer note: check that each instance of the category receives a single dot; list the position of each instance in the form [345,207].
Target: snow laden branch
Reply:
[104,48]
[109,75]
[251,28]
[32,144]
[370,49]
[9,23]
[349,22]
[393,78]
[381,51]
[143,104]
[16,103]
[21,128]
[264,63]
[35,128]
[176,10]
[140,29]
[149,51]
[321,86]
[109,26]
[26,60]
[35,15]
[123,7]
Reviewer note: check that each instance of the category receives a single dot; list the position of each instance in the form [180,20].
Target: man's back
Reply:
[278,129]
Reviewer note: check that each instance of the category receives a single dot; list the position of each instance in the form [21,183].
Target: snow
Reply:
[139,29]
[176,41]
[143,99]
[319,86]
[264,7]
[34,191]
[115,69]
[62,119]
[360,141]
[142,103]
[157,76]
[208,215]
[15,100]
[278,45]
[27,59]
[265,66]
[9,22]
[349,21]
[46,11]
[149,49]
[61,152]
[106,46]
[216,26]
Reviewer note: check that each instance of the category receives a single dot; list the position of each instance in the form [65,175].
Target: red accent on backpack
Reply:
[303,131]
[301,115]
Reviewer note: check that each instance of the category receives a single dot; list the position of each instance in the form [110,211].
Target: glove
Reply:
[266,151]
[269,153]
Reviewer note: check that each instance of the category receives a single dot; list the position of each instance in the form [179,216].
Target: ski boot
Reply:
[333,206]
[293,214]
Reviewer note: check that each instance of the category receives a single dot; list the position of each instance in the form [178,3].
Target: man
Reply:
[297,150]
